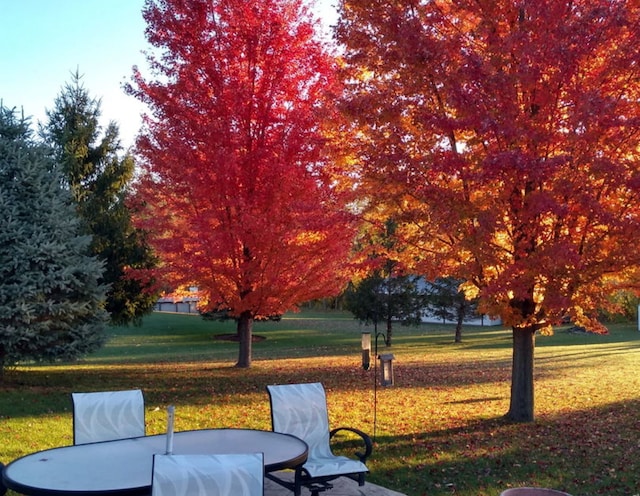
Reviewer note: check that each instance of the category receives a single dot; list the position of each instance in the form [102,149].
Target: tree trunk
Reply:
[521,407]
[458,338]
[245,325]
[389,331]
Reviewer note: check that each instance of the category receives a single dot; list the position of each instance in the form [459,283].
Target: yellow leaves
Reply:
[547,330]
[364,75]
[470,290]
[306,238]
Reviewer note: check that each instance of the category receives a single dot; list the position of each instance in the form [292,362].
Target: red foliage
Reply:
[232,181]
[504,137]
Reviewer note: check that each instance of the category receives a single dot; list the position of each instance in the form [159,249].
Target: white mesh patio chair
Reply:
[208,475]
[301,410]
[107,415]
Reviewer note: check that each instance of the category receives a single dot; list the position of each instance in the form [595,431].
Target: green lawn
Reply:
[439,429]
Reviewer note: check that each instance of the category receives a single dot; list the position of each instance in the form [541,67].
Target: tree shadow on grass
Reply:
[200,382]
[584,452]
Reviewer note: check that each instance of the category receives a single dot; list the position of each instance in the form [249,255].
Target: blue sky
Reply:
[42,42]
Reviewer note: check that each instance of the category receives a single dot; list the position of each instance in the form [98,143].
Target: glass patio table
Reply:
[123,466]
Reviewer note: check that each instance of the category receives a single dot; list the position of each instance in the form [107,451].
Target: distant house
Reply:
[430,316]
[179,302]
[481,320]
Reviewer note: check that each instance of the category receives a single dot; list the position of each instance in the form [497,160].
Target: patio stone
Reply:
[342,486]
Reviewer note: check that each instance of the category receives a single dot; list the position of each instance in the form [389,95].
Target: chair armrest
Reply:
[365,438]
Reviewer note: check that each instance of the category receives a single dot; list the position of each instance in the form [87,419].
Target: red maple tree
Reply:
[235,196]
[503,136]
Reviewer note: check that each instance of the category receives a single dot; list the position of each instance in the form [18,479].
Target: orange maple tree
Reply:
[503,136]
[232,184]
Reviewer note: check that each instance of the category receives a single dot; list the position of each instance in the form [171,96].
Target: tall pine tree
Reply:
[51,301]
[98,179]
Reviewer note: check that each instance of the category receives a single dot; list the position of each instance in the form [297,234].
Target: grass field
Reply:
[439,430]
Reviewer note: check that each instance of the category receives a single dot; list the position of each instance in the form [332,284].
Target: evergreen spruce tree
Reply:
[377,298]
[98,179]
[51,301]
[446,300]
